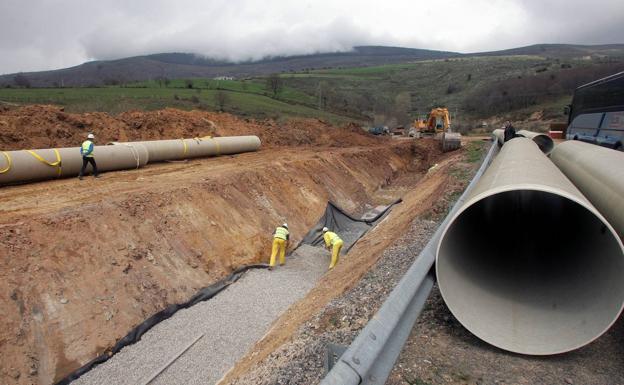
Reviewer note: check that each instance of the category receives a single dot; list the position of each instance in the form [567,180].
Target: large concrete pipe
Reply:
[543,141]
[599,173]
[499,136]
[178,149]
[32,165]
[451,141]
[527,264]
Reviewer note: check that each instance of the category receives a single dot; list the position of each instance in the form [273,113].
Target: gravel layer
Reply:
[302,360]
[231,323]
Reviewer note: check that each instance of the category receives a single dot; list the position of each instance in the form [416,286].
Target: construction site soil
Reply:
[37,126]
[82,262]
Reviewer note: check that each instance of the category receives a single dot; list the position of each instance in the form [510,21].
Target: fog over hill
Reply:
[188,65]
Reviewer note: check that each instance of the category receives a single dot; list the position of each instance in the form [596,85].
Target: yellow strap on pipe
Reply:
[8,158]
[218,146]
[56,164]
[185,147]
[214,140]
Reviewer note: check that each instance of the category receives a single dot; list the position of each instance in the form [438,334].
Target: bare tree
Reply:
[161,80]
[221,98]
[402,108]
[275,84]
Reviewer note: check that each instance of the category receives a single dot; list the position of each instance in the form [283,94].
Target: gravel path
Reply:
[301,361]
[231,322]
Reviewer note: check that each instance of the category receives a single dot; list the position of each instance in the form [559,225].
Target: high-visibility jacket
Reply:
[281,233]
[86,149]
[330,238]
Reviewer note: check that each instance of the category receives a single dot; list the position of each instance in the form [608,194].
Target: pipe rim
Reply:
[537,188]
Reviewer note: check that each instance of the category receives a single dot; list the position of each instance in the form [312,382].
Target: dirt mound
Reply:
[41,126]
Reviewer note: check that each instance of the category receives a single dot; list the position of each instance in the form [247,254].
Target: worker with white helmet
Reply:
[86,150]
[332,240]
[280,242]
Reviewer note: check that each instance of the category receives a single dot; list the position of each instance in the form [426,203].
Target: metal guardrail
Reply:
[371,356]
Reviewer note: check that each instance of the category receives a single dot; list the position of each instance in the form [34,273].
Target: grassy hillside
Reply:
[118,99]
[185,65]
[401,92]
[472,87]
[251,86]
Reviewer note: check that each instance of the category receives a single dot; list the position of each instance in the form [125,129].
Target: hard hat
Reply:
[90,136]
[285,225]
[325,229]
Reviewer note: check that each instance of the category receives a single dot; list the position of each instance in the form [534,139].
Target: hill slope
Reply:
[185,65]
[560,51]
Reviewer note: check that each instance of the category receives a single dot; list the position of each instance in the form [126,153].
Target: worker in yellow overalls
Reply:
[332,240]
[280,242]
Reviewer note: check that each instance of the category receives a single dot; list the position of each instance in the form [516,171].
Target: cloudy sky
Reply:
[49,34]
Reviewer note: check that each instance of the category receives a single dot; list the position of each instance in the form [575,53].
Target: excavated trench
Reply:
[82,263]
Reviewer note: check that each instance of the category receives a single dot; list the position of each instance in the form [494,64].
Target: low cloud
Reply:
[39,35]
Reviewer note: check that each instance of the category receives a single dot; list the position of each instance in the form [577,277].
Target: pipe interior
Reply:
[545,143]
[531,272]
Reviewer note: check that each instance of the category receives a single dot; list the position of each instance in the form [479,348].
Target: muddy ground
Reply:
[81,263]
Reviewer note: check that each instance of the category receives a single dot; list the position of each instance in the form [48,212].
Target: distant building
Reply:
[224,78]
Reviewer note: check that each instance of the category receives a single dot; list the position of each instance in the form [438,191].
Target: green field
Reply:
[253,86]
[246,100]
[381,95]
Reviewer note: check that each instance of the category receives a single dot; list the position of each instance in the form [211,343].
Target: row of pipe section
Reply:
[528,264]
[33,165]
[599,173]
[165,150]
[543,141]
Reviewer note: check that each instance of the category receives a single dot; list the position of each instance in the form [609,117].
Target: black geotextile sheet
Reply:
[136,333]
[349,229]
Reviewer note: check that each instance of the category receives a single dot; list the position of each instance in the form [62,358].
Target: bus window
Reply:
[612,130]
[614,121]
[585,127]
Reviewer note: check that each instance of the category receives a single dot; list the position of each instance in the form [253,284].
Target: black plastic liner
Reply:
[349,229]
[135,334]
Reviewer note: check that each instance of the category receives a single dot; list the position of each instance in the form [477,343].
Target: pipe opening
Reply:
[531,272]
[545,143]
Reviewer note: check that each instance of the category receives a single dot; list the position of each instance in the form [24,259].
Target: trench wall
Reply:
[75,278]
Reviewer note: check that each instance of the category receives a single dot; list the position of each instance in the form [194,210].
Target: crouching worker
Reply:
[332,240]
[280,242]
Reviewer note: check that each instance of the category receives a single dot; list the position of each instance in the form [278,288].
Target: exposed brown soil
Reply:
[37,126]
[81,263]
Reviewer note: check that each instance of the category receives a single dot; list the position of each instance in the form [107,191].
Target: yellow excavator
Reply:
[438,125]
